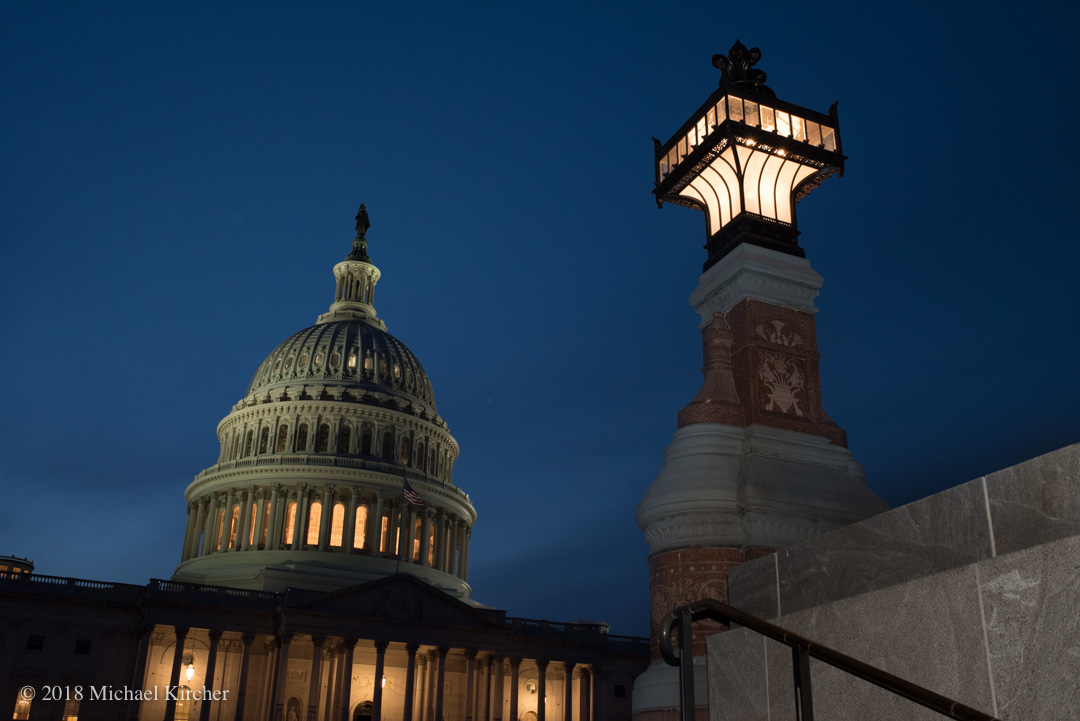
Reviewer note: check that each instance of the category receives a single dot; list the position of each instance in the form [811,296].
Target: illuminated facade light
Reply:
[745,158]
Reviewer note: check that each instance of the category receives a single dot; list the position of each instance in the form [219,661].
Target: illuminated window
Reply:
[22,708]
[265,525]
[344,439]
[367,362]
[388,446]
[318,359]
[303,358]
[352,360]
[397,371]
[220,525]
[277,365]
[301,437]
[71,710]
[360,529]
[251,531]
[365,441]
[322,443]
[418,532]
[382,367]
[337,525]
[282,436]
[314,520]
[383,532]
[232,526]
[264,439]
[290,523]
[431,545]
[404,457]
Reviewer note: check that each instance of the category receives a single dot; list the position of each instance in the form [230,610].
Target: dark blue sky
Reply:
[179,179]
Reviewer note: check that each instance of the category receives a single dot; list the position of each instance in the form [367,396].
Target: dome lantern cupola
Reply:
[356,277]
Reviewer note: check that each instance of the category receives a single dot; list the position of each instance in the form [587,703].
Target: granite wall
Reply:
[973,593]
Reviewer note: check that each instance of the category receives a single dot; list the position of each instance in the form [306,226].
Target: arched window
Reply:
[183,704]
[360,528]
[301,438]
[264,439]
[254,517]
[344,438]
[236,446]
[247,443]
[365,442]
[384,533]
[314,520]
[431,544]
[337,525]
[322,443]
[233,523]
[418,530]
[22,707]
[421,459]
[282,436]
[404,457]
[71,710]
[388,445]
[217,529]
[290,524]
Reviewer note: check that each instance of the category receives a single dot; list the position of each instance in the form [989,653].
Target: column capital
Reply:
[247,638]
[318,639]
[285,637]
[181,631]
[442,651]
[348,643]
[542,664]
[260,494]
[215,635]
[381,645]
[412,648]
[470,653]
[514,661]
[328,487]
[568,667]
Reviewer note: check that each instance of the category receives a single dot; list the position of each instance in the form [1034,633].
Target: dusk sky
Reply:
[178,179]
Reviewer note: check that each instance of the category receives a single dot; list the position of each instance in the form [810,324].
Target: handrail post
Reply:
[686,664]
[800,668]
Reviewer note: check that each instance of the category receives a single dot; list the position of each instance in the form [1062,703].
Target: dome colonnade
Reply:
[309,487]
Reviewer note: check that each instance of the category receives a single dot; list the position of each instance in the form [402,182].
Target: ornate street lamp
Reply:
[745,158]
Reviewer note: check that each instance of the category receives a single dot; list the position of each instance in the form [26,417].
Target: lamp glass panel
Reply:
[701,131]
[750,113]
[691,137]
[798,128]
[710,119]
[783,124]
[828,138]
[721,111]
[768,121]
[813,133]
[735,109]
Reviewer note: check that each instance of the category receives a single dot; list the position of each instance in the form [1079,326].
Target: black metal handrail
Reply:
[802,650]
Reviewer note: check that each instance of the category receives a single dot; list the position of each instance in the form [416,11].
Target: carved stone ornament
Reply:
[784,383]
[774,333]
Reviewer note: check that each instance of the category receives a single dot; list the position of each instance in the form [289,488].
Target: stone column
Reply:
[422,696]
[375,525]
[497,690]
[597,693]
[346,679]
[242,530]
[273,537]
[280,676]
[489,666]
[568,703]
[174,677]
[451,560]
[380,667]
[196,536]
[226,523]
[139,672]
[327,512]
[429,695]
[348,538]
[209,535]
[299,519]
[515,664]
[583,694]
[264,708]
[260,517]
[440,682]
[241,691]
[333,687]
[317,642]
[211,664]
[470,661]
[187,534]
[410,681]
[541,689]
[425,538]
[436,554]
[466,533]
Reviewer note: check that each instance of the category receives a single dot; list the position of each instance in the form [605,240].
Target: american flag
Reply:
[410,495]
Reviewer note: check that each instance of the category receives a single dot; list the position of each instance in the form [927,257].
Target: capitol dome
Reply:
[335,467]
